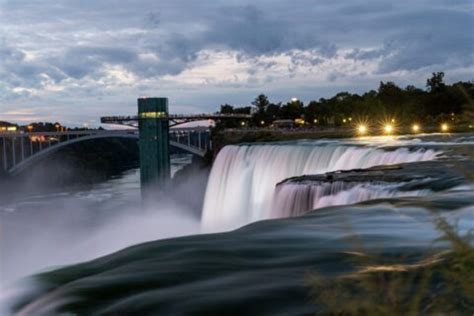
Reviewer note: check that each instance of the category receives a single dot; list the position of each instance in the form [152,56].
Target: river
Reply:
[300,209]
[70,225]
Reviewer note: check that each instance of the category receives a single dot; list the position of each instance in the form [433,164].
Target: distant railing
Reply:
[17,149]
[175,117]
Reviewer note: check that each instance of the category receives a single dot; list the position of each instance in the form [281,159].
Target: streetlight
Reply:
[388,129]
[362,129]
[444,127]
[415,128]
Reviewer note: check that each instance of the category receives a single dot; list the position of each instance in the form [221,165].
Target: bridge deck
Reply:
[20,149]
[175,118]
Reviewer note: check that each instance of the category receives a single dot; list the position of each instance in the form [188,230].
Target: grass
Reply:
[442,283]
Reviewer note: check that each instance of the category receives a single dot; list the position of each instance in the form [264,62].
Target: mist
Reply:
[61,226]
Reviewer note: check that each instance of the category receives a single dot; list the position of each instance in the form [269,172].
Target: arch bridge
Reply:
[19,150]
[153,126]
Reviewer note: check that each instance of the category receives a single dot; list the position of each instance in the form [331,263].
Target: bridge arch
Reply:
[38,156]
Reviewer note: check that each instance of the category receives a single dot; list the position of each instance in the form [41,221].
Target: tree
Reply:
[389,93]
[227,109]
[291,110]
[272,111]
[261,102]
[406,105]
[435,83]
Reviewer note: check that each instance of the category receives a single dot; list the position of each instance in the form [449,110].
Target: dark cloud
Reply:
[432,38]
[81,61]
[178,31]
[17,71]
[46,41]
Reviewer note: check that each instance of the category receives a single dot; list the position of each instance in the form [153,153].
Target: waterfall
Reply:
[243,178]
[293,199]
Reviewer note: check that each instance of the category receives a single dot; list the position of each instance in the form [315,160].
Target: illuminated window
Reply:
[150,115]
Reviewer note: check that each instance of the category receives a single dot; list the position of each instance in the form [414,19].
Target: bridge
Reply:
[173,119]
[154,127]
[20,150]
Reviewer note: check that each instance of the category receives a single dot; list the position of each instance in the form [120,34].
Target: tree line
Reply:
[438,102]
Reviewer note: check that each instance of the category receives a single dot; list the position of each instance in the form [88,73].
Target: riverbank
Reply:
[222,138]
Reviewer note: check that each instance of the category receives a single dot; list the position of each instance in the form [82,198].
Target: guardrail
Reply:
[130,118]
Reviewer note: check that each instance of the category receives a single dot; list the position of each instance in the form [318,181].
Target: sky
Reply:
[76,60]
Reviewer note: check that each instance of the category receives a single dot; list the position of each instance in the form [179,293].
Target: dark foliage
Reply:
[440,102]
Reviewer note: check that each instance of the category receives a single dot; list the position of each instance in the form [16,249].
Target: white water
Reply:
[293,199]
[47,230]
[243,178]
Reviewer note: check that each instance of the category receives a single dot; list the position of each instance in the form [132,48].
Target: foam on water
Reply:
[293,199]
[242,181]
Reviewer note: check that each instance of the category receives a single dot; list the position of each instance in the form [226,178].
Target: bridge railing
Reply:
[66,133]
[175,117]
[18,146]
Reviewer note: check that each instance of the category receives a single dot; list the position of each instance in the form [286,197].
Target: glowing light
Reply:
[294,99]
[362,129]
[315,121]
[350,119]
[444,127]
[242,123]
[35,138]
[388,128]
[11,128]
[415,127]
[151,115]
[262,122]
[300,121]
[344,121]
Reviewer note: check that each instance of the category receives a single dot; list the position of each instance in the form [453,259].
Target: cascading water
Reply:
[243,178]
[293,199]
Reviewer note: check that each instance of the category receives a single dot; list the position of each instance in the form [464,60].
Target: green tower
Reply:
[154,143]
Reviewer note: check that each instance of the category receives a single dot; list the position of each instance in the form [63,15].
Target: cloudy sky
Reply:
[77,60]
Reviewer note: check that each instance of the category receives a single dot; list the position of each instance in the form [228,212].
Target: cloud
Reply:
[86,51]
[436,38]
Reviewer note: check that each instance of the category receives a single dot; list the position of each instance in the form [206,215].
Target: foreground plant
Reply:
[440,284]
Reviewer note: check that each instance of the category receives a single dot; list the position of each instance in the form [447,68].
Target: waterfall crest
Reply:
[242,182]
[294,199]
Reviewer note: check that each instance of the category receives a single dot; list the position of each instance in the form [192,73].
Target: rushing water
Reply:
[263,268]
[298,199]
[243,178]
